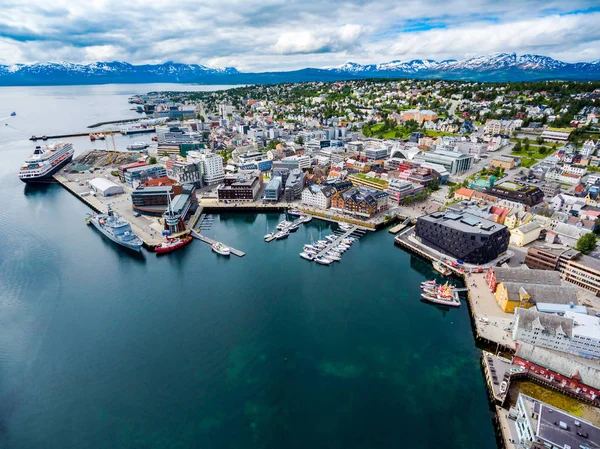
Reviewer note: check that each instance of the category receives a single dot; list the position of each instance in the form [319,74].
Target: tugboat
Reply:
[172,244]
[221,249]
[115,228]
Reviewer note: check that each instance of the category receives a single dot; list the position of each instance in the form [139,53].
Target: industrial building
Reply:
[105,187]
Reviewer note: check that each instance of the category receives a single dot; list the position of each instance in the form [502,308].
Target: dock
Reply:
[64,136]
[399,227]
[337,241]
[203,238]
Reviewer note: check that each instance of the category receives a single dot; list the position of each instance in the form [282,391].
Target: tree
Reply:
[539,140]
[586,243]
[152,160]
[299,140]
[517,147]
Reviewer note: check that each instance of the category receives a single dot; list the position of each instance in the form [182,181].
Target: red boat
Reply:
[172,244]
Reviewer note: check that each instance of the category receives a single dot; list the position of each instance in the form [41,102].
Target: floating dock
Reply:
[337,241]
[398,228]
[203,238]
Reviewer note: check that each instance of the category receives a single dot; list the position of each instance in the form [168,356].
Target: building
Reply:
[525,234]
[274,189]
[418,115]
[302,162]
[318,196]
[211,166]
[294,185]
[574,375]
[360,201]
[548,259]
[452,161]
[555,135]
[540,425]
[240,188]
[373,182]
[137,175]
[373,154]
[493,127]
[550,189]
[503,162]
[105,187]
[185,172]
[400,190]
[584,272]
[179,208]
[124,168]
[543,329]
[517,193]
[463,236]
[154,200]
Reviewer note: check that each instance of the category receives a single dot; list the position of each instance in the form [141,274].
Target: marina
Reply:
[322,253]
[212,242]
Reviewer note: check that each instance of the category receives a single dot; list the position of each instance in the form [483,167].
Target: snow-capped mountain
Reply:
[106,72]
[496,67]
[500,66]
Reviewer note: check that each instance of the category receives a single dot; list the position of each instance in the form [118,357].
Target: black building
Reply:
[240,188]
[463,236]
[519,193]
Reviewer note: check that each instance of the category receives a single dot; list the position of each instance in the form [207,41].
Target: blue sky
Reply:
[288,34]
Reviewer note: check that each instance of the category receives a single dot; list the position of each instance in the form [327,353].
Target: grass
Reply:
[528,162]
[532,154]
[438,133]
[368,178]
[558,400]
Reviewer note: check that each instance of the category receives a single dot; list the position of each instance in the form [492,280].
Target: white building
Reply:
[586,335]
[303,161]
[318,196]
[575,170]
[211,166]
[105,187]
[589,148]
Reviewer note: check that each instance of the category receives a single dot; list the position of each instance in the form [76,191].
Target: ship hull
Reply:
[137,248]
[48,176]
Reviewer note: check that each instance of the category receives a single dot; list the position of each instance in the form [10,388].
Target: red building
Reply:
[490,279]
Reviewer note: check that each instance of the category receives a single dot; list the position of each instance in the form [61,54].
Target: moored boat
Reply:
[307,256]
[221,249]
[332,256]
[172,244]
[323,260]
[45,161]
[437,299]
[440,268]
[282,234]
[116,229]
[137,146]
[295,212]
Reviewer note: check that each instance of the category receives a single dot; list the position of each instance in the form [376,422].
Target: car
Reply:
[598,314]
[521,262]
[507,329]
[136,214]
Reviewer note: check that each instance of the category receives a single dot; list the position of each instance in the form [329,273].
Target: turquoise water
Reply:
[100,348]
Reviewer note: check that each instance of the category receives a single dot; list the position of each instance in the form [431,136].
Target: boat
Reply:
[305,218]
[440,268]
[323,242]
[115,228]
[295,212]
[345,226]
[221,249]
[347,241]
[428,283]
[307,256]
[45,161]
[323,260]
[269,236]
[340,249]
[12,114]
[283,225]
[310,248]
[436,299]
[172,244]
[282,234]
[294,227]
[137,146]
[331,238]
[332,256]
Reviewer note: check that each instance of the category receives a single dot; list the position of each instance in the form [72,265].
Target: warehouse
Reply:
[105,187]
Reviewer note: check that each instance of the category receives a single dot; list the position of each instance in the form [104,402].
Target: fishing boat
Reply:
[323,260]
[440,268]
[436,299]
[221,249]
[307,256]
[172,244]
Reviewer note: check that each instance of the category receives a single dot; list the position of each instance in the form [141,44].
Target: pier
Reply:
[337,241]
[400,227]
[203,238]
[64,136]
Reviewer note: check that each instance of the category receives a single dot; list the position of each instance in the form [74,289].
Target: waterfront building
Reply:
[463,236]
[282,172]
[360,201]
[574,375]
[453,161]
[137,175]
[525,234]
[517,193]
[543,329]
[399,190]
[124,168]
[154,200]
[294,185]
[540,425]
[273,189]
[240,188]
[584,272]
[105,187]
[211,166]
[185,172]
[318,195]
[549,259]
[179,208]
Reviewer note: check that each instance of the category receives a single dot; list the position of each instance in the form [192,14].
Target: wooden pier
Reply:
[203,238]
[399,227]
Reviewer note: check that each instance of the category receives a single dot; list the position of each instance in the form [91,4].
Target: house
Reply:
[463,194]
[318,196]
[360,201]
[525,234]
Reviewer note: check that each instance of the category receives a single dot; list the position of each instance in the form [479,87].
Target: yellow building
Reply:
[525,234]
[503,162]
[510,295]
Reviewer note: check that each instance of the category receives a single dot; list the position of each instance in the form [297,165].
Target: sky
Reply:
[268,35]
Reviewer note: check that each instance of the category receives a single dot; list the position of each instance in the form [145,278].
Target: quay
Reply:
[400,227]
[64,136]
[112,122]
[203,238]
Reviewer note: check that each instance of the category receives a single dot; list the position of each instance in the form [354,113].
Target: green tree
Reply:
[586,243]
[299,140]
[152,160]
[518,147]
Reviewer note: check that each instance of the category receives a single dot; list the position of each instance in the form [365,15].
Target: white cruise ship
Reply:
[45,161]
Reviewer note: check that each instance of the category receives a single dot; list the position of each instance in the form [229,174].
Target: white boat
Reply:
[323,242]
[340,249]
[335,253]
[295,212]
[282,235]
[341,245]
[283,225]
[345,226]
[332,256]
[307,256]
[440,268]
[323,260]
[331,238]
[270,236]
[347,242]
[305,218]
[221,249]
[310,248]
[137,146]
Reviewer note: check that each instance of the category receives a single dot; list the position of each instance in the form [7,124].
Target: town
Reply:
[498,184]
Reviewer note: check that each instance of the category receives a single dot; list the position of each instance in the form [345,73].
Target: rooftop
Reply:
[527,276]
[464,222]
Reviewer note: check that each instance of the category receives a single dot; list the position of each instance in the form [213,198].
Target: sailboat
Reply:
[269,235]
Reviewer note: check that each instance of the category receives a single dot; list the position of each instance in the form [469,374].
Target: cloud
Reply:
[256,35]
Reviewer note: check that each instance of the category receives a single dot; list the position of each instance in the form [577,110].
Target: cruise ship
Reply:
[45,161]
[116,229]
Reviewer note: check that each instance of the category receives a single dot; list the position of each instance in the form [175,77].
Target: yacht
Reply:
[310,248]
[221,249]
[307,256]
[323,242]
[331,238]
[283,225]
[282,234]
[323,260]
[295,212]
[345,226]
[332,256]
[305,218]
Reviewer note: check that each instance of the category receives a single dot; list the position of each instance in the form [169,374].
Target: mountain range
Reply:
[496,67]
